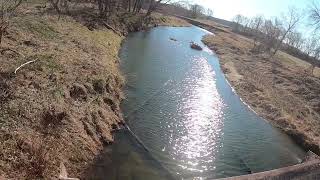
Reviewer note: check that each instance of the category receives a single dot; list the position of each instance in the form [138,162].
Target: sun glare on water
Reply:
[202,110]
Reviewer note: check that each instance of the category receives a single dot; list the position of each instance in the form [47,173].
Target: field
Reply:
[281,88]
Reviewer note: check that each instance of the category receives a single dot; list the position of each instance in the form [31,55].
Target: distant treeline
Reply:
[187,9]
[279,33]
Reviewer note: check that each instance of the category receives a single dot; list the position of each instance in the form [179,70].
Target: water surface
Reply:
[181,107]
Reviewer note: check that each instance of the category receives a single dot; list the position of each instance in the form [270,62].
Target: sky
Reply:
[227,9]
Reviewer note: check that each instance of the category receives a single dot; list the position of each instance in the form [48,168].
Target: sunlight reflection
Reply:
[201,110]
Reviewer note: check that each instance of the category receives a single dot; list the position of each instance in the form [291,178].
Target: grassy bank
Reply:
[281,89]
[61,108]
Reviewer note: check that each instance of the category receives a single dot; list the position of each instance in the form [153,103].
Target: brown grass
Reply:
[42,121]
[281,89]
[163,20]
[64,106]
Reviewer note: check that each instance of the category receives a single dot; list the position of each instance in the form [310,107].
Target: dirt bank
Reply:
[280,89]
[64,105]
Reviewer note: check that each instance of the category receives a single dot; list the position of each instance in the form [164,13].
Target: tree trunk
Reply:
[153,6]
[129,5]
[100,7]
[276,48]
[1,34]
[139,6]
[150,9]
[135,5]
[66,6]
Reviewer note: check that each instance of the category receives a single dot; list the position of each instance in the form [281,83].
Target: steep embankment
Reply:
[63,106]
[280,89]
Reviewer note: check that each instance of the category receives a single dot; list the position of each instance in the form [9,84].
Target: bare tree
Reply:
[104,7]
[55,5]
[154,4]
[313,49]
[245,24]
[185,4]
[8,8]
[61,6]
[209,12]
[290,22]
[237,21]
[256,29]
[314,15]
[271,30]
[137,6]
[309,45]
[294,39]
[197,10]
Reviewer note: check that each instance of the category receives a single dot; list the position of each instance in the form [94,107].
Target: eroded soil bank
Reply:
[63,107]
[281,89]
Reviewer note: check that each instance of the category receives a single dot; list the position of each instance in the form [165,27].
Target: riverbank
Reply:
[60,109]
[280,89]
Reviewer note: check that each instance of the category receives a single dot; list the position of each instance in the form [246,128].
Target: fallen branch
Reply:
[29,62]
[112,28]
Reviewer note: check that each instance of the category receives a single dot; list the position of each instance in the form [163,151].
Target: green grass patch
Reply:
[49,62]
[37,27]
[42,29]
[45,62]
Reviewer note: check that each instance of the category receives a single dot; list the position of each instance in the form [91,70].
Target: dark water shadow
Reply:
[126,159]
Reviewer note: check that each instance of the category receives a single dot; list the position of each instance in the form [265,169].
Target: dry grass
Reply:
[280,89]
[65,105]
[163,20]
[294,63]
[50,110]
[214,24]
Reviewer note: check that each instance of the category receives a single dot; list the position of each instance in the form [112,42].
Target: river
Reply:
[184,112]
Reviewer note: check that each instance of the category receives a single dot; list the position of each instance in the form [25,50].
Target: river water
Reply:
[182,109]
